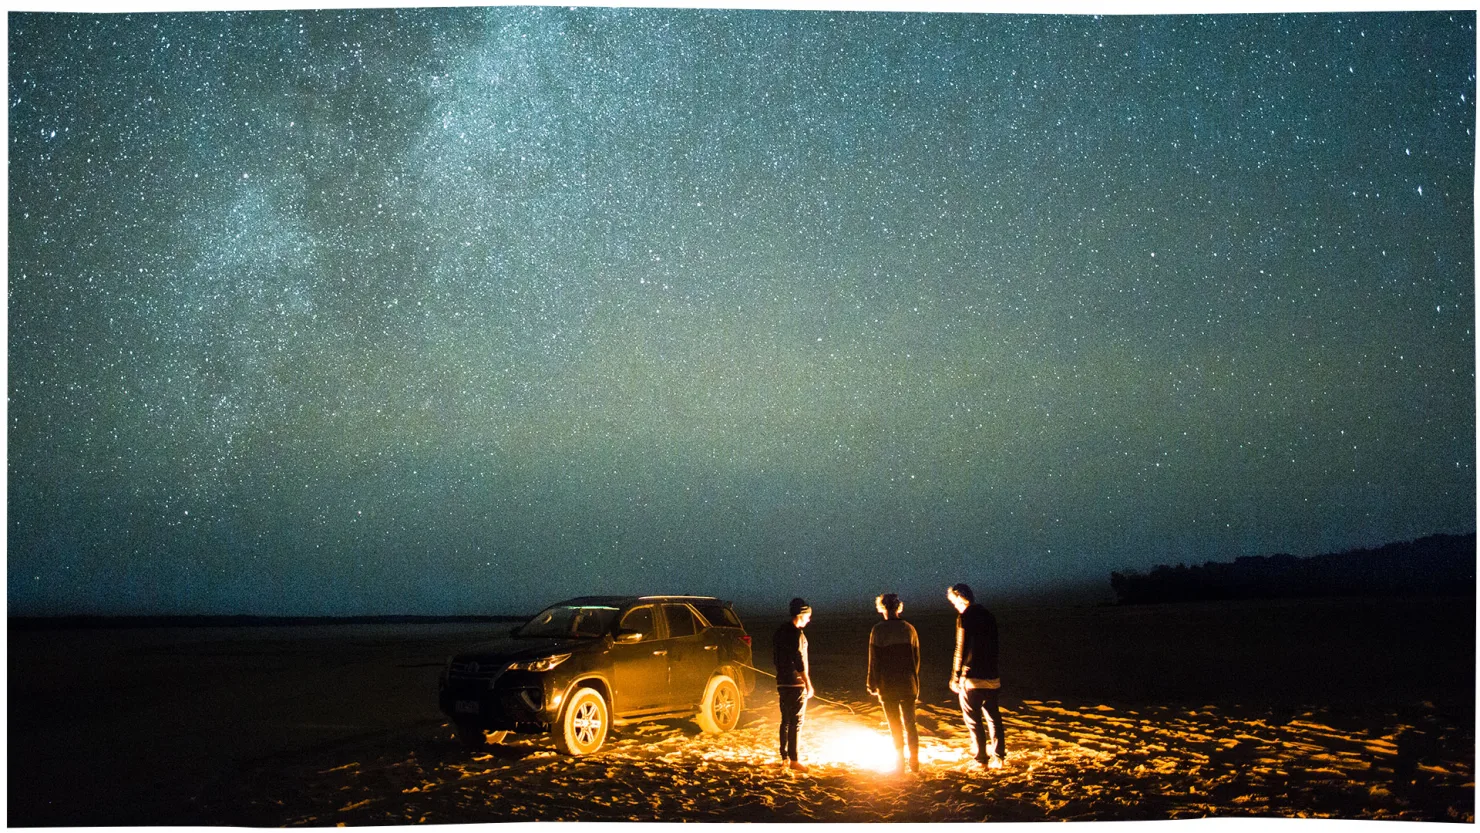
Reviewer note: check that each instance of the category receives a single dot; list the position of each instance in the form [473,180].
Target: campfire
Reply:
[861,741]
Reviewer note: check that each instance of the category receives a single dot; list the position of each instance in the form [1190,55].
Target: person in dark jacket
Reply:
[894,676]
[793,680]
[974,676]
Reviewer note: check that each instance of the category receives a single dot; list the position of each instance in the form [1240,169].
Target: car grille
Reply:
[489,671]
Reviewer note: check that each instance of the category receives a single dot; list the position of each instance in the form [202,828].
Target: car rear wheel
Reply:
[584,723]
[721,708]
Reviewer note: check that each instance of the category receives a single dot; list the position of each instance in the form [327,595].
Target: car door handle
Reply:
[662,653]
[711,647]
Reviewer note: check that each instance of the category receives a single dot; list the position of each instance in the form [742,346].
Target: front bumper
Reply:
[517,701]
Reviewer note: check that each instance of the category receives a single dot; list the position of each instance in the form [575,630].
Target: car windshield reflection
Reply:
[583,622]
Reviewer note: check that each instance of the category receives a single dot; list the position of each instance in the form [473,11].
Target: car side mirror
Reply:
[629,637]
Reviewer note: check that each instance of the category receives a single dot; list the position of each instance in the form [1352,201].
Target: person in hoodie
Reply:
[974,676]
[793,680]
[894,676]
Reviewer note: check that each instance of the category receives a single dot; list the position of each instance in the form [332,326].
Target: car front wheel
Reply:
[721,709]
[584,723]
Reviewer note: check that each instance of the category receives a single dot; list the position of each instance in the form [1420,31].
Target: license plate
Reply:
[465,707]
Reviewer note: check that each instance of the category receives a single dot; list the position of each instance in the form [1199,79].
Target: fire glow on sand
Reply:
[853,746]
[860,747]
[856,742]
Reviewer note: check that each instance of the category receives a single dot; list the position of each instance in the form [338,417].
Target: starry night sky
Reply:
[469,310]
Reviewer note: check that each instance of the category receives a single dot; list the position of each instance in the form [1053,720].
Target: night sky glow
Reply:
[468,310]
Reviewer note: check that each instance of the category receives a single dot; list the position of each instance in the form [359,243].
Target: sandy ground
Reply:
[1343,709]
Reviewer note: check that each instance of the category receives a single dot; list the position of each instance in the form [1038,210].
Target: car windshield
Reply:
[580,621]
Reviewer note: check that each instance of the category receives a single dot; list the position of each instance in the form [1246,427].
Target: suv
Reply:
[584,665]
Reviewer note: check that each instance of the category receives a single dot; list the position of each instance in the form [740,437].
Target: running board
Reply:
[643,718]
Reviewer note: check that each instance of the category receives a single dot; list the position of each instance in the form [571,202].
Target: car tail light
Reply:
[745,637]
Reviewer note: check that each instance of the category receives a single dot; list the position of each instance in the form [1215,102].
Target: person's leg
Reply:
[971,712]
[892,715]
[781,722]
[997,738]
[796,728]
[893,712]
[788,699]
[912,732]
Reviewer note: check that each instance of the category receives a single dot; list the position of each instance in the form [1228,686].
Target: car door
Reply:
[640,667]
[691,657]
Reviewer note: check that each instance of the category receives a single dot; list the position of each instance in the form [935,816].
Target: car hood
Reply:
[511,648]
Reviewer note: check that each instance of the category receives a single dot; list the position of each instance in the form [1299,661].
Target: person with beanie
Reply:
[793,680]
[974,677]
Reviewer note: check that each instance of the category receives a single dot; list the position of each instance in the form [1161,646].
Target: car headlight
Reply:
[541,664]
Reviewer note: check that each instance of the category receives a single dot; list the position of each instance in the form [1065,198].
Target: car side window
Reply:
[592,622]
[719,615]
[680,620]
[641,620]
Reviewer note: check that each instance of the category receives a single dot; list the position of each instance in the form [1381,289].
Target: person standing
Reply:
[793,680]
[974,676]
[894,676]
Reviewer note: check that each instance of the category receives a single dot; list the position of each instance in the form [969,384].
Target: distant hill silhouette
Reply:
[1439,565]
[85,621]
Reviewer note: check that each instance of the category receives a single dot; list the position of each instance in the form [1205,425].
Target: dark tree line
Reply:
[1436,565]
[235,621]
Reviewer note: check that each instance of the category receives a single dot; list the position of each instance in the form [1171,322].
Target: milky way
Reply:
[467,310]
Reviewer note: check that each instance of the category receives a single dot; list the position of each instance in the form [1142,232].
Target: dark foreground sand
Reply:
[1353,709]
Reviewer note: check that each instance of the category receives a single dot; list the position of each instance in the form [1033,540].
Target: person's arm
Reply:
[915,649]
[872,682]
[956,659]
[805,665]
[974,628]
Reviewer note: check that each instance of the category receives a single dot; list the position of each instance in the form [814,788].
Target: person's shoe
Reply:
[899,764]
[915,765]
[994,762]
[796,766]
